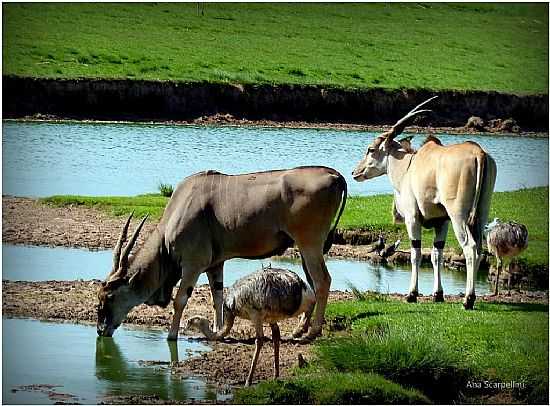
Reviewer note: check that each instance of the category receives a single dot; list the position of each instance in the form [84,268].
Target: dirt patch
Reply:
[27,221]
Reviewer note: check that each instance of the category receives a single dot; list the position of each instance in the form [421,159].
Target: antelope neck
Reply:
[397,168]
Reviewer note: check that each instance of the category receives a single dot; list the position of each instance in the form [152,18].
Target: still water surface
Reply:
[44,263]
[69,363]
[43,159]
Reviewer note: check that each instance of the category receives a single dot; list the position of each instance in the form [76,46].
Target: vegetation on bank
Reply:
[371,214]
[447,354]
[435,46]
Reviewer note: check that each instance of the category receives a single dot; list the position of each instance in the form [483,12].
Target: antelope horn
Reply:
[402,123]
[123,264]
[118,246]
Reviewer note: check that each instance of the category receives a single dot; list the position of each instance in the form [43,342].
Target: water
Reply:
[36,353]
[43,263]
[42,159]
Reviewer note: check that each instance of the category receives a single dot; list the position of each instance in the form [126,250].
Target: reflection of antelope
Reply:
[266,296]
[432,186]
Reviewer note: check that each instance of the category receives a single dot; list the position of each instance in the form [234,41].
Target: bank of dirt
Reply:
[226,364]
[27,221]
[141,100]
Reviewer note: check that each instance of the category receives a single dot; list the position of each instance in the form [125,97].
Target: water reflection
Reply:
[121,376]
[71,359]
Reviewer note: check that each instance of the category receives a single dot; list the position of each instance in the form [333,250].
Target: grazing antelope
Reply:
[505,240]
[212,217]
[433,186]
[266,296]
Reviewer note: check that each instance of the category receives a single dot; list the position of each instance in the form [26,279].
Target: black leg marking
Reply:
[416,243]
[439,245]
[189,291]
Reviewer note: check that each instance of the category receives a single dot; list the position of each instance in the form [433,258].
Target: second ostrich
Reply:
[265,296]
[505,240]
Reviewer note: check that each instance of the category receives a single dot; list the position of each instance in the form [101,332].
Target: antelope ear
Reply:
[116,283]
[384,146]
[406,143]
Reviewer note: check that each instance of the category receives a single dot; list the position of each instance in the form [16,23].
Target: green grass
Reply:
[477,46]
[527,206]
[373,213]
[433,348]
[438,348]
[152,204]
[330,388]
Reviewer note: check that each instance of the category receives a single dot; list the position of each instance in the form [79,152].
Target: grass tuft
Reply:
[330,388]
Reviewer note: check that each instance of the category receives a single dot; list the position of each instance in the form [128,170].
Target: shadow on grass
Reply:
[514,307]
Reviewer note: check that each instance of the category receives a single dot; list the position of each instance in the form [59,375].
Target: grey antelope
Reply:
[433,186]
[212,217]
[266,296]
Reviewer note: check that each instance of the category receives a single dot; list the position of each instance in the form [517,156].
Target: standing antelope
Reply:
[212,217]
[432,186]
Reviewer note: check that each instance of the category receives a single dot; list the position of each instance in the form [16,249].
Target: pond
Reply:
[42,159]
[44,263]
[38,369]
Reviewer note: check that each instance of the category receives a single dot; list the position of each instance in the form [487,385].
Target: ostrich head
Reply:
[200,324]
[492,224]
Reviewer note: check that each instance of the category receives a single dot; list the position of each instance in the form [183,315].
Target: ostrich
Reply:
[265,296]
[505,240]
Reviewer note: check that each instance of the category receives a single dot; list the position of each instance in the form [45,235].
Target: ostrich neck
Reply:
[228,321]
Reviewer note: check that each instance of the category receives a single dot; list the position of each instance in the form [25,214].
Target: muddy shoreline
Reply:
[142,100]
[228,362]
[27,221]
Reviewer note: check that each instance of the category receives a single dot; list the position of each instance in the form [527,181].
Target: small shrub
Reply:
[166,189]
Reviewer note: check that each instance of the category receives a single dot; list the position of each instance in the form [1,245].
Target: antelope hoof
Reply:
[312,335]
[469,302]
[438,297]
[411,297]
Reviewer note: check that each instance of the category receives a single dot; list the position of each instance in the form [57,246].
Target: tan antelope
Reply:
[433,186]
[212,217]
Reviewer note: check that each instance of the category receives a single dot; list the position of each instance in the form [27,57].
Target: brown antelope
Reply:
[212,217]
[433,186]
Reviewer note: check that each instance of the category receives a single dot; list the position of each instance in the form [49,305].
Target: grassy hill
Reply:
[477,46]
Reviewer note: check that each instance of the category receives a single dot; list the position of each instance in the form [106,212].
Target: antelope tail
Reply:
[330,237]
[480,164]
